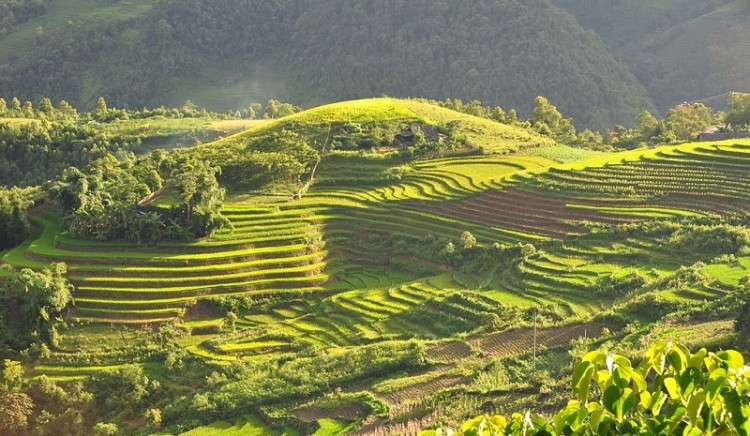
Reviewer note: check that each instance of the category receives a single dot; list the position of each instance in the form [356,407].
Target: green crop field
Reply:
[477,260]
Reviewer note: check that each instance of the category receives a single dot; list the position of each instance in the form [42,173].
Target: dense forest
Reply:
[221,54]
[295,49]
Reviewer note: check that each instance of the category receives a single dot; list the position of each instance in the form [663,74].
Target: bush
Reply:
[671,391]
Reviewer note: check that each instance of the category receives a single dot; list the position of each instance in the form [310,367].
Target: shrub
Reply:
[671,391]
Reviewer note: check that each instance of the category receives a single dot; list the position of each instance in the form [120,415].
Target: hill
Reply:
[393,115]
[399,291]
[679,50]
[228,53]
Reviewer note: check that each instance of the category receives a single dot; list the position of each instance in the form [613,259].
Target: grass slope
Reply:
[313,124]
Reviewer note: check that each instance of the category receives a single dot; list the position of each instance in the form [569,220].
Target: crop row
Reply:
[267,252]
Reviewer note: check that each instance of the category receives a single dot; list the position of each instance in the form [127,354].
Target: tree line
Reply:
[681,123]
[50,138]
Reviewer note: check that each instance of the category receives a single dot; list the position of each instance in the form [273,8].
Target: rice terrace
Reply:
[377,266]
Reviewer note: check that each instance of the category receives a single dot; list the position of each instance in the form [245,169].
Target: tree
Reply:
[687,120]
[68,192]
[101,107]
[27,111]
[15,410]
[12,376]
[468,241]
[45,106]
[126,388]
[105,429]
[646,124]
[545,112]
[67,110]
[18,227]
[15,106]
[153,418]
[739,109]
[548,120]
[36,300]
[201,197]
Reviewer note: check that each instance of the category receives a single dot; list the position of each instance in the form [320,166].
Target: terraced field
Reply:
[334,270]
[694,179]
[267,252]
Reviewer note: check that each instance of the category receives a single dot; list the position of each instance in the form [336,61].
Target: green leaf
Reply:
[595,413]
[672,388]
[619,402]
[638,381]
[644,400]
[622,375]
[696,360]
[655,357]
[715,382]
[677,359]
[472,424]
[694,406]
[676,419]
[595,357]
[689,379]
[603,379]
[582,379]
[496,424]
[657,401]
[732,358]
[738,416]
[610,397]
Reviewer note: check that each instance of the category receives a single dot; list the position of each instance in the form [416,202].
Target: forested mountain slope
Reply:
[600,62]
[680,50]
[229,52]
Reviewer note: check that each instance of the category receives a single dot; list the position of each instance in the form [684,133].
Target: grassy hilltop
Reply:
[400,289]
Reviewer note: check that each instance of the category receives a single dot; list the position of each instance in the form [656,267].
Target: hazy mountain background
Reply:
[600,62]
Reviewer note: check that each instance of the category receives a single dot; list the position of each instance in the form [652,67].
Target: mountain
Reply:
[679,50]
[230,52]
[600,62]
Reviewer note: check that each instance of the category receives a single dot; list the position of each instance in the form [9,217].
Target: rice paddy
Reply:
[327,271]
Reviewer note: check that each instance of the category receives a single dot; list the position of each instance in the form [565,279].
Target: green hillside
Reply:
[398,292]
[227,54]
[60,16]
[391,116]
[600,62]
[679,50]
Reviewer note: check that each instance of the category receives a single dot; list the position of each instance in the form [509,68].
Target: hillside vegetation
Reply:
[227,53]
[678,50]
[316,275]
[600,62]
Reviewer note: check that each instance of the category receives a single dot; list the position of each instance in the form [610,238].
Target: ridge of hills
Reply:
[600,62]
[229,53]
[679,50]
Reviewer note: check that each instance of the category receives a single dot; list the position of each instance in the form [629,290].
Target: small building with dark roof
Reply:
[431,133]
